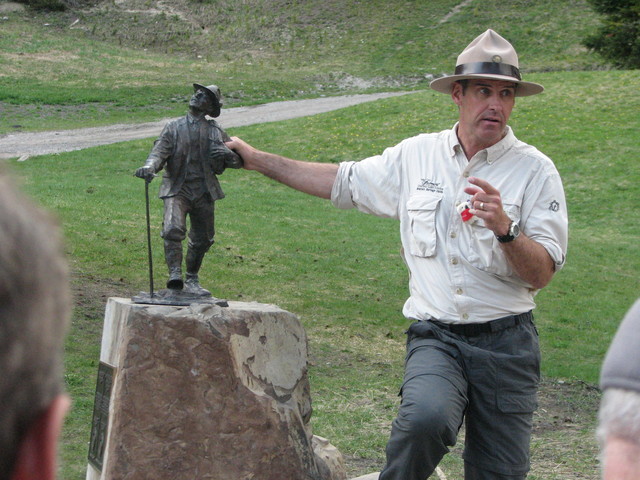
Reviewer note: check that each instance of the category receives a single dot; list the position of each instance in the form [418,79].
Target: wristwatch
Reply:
[514,231]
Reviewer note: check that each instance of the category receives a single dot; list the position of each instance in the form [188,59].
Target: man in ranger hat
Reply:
[483,225]
[192,152]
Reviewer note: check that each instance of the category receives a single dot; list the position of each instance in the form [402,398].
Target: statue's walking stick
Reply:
[146,194]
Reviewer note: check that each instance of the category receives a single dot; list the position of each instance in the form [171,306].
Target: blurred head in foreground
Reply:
[34,314]
[619,416]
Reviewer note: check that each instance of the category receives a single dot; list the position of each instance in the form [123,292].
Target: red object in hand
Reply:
[466,215]
[464,209]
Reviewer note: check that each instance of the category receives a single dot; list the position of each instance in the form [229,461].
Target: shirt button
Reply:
[466,174]
[453,234]
[465,316]
[454,261]
[459,292]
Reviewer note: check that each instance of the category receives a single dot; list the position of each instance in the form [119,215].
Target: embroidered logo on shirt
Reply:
[429,186]
[554,206]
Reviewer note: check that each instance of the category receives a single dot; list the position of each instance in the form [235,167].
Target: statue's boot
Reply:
[173,257]
[192,283]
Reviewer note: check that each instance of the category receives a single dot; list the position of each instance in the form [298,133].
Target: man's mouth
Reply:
[491,121]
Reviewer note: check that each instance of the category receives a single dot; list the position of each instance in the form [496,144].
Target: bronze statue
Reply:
[191,151]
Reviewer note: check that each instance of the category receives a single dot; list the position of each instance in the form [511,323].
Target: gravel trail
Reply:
[28,144]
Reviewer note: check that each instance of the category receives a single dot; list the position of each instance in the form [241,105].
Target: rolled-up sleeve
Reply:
[371,185]
[547,221]
[341,193]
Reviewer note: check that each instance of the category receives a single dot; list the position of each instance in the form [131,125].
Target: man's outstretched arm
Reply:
[312,178]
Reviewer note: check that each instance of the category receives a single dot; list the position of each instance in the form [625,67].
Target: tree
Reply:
[618,39]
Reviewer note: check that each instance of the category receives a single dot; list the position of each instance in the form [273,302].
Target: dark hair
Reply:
[464,83]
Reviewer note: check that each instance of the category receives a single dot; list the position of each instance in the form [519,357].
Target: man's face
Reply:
[200,101]
[484,110]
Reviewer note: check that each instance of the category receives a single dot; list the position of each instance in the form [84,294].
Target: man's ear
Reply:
[37,455]
[456,93]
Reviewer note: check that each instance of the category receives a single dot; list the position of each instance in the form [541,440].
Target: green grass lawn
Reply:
[101,205]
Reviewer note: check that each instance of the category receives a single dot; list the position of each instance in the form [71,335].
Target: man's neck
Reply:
[197,114]
[471,147]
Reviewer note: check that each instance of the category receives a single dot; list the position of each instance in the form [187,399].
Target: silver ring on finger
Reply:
[481,205]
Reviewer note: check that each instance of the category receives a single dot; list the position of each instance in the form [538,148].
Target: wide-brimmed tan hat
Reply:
[492,57]
[213,92]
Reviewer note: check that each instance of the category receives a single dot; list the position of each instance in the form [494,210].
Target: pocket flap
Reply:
[423,202]
[518,402]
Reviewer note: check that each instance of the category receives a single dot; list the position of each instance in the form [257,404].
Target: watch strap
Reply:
[511,235]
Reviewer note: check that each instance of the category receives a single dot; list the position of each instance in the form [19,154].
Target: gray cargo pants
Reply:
[486,375]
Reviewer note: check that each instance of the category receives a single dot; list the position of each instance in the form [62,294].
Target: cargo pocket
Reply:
[422,209]
[519,376]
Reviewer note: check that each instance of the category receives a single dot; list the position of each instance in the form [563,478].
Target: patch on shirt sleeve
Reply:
[426,185]
[554,206]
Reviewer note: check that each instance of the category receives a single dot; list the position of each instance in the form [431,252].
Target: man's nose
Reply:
[495,102]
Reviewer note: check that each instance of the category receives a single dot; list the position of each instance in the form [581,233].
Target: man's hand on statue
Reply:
[145,172]
[245,151]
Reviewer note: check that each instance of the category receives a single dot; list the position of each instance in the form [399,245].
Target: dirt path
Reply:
[25,145]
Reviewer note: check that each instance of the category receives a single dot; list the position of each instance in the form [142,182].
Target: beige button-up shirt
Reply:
[458,270]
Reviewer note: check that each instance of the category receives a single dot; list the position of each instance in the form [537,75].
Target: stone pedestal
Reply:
[205,392]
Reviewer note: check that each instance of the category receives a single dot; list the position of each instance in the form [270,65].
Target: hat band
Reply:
[492,68]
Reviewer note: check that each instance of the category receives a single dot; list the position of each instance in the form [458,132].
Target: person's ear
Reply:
[456,93]
[37,454]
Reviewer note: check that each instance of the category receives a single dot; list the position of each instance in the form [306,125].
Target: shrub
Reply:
[618,39]
[49,5]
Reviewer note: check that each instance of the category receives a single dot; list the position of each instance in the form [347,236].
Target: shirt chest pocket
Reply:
[483,250]
[422,209]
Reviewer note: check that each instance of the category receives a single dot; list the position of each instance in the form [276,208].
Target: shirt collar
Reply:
[492,153]
[454,143]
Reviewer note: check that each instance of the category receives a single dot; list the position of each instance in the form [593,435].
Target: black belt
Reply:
[475,329]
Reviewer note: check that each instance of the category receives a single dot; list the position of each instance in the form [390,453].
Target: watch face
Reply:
[514,230]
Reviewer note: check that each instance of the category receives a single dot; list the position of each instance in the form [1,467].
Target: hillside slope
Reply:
[136,58]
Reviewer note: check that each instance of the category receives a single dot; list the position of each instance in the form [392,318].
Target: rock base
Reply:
[205,392]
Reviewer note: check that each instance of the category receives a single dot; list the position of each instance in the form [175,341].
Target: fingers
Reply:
[145,172]
[247,153]
[234,142]
[486,203]
[237,144]
[483,185]
[484,209]
[484,197]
